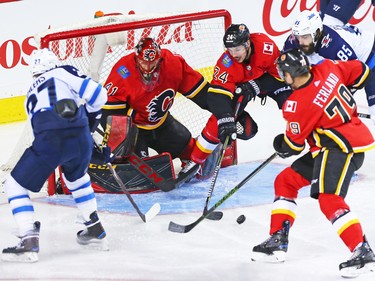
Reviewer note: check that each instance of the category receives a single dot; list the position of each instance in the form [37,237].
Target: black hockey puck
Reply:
[241,219]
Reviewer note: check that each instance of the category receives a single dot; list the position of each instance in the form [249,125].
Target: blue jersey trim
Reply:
[95,95]
[83,87]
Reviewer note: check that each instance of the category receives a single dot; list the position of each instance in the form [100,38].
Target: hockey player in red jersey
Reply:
[143,85]
[245,69]
[322,112]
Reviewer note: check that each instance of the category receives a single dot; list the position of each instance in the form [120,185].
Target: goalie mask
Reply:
[42,60]
[294,62]
[147,57]
[308,24]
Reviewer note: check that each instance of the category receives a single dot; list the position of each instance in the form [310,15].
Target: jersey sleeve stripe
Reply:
[360,80]
[95,95]
[83,87]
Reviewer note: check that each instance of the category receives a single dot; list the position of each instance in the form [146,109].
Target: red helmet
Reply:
[147,57]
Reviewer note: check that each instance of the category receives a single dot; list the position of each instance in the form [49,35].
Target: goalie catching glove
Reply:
[227,127]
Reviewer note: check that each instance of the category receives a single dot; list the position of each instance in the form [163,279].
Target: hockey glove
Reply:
[227,127]
[278,146]
[101,155]
[248,89]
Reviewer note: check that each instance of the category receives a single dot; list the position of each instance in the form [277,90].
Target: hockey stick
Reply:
[364,115]
[141,166]
[150,214]
[217,215]
[174,227]
[153,211]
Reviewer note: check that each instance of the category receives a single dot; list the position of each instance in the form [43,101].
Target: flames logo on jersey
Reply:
[159,105]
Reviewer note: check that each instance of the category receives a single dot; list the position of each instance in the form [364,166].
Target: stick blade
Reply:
[215,216]
[174,227]
[154,210]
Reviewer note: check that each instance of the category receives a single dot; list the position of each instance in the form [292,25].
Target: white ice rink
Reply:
[214,250]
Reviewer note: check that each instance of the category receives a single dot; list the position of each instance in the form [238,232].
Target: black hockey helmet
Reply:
[293,61]
[236,35]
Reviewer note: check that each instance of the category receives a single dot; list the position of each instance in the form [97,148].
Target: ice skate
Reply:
[274,249]
[94,236]
[187,173]
[362,261]
[27,249]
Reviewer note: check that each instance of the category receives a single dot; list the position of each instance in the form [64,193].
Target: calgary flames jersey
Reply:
[149,105]
[324,112]
[228,72]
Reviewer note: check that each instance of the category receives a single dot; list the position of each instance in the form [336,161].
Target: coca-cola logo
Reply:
[288,8]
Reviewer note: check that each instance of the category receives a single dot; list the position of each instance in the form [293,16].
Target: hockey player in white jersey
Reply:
[337,42]
[63,106]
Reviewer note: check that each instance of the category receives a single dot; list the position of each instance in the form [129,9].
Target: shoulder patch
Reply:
[123,71]
[290,106]
[227,61]
[268,48]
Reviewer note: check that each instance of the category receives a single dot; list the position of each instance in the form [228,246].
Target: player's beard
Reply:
[308,49]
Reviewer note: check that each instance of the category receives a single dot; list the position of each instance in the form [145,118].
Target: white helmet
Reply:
[308,22]
[42,60]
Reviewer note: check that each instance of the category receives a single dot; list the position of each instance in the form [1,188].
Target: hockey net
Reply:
[96,45]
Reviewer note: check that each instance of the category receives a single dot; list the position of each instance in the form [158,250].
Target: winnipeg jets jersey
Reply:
[64,82]
[346,42]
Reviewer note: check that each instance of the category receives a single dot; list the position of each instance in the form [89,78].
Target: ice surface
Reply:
[213,250]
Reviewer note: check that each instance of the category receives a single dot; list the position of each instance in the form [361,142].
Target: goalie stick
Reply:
[153,211]
[174,227]
[142,167]
[217,215]
[150,214]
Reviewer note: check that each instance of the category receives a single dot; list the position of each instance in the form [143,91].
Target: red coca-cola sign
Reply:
[286,8]
[13,52]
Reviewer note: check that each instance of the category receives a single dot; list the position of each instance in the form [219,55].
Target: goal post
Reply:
[95,46]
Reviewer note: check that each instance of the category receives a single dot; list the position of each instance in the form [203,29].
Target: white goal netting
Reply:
[95,46]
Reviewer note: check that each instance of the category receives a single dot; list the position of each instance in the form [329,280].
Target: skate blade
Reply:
[353,271]
[276,257]
[28,257]
[95,244]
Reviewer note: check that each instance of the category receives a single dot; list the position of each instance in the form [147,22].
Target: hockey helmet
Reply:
[42,60]
[294,62]
[236,35]
[308,22]
[147,56]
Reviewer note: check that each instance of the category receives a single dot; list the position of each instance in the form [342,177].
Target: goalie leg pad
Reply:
[135,182]
[123,135]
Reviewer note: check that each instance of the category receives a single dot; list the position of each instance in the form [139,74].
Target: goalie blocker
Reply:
[121,139]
